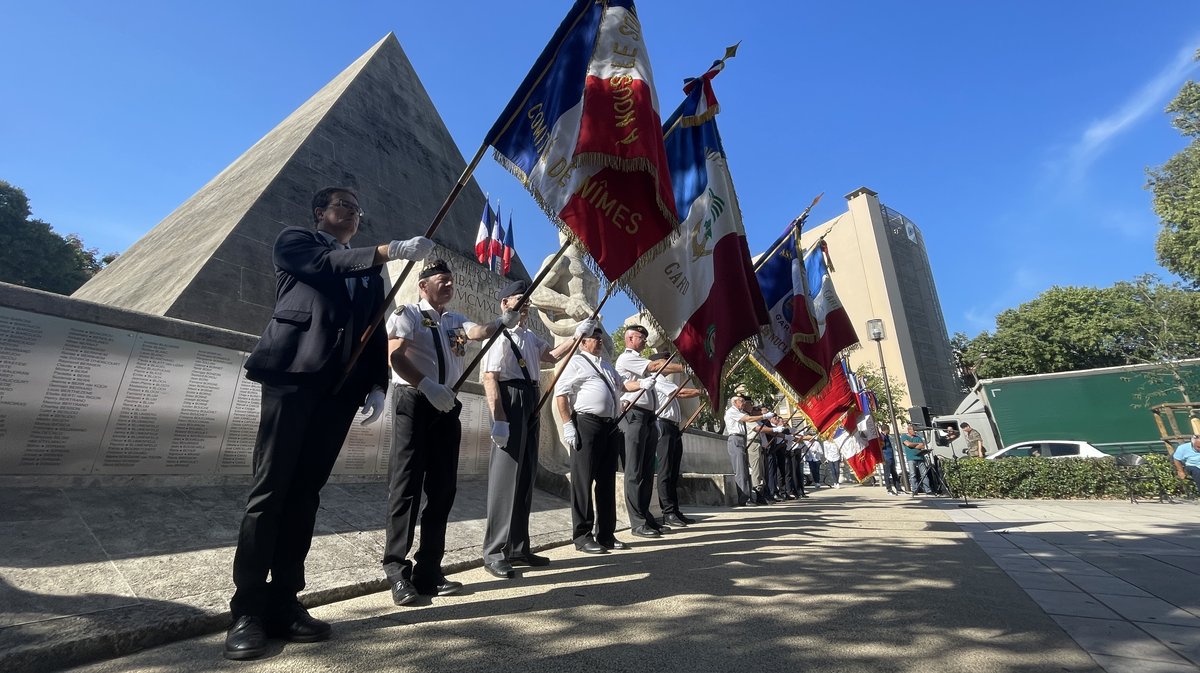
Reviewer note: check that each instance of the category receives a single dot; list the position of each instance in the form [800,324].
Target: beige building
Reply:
[881,270]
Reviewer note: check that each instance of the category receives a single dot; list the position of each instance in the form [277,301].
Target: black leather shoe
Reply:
[590,547]
[674,520]
[403,592]
[442,587]
[297,626]
[531,559]
[644,531]
[246,638]
[752,503]
[614,544]
[686,519]
[501,569]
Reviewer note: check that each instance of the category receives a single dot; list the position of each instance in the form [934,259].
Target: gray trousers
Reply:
[510,476]
[736,444]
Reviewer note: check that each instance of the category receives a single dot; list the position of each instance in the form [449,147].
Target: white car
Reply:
[1049,448]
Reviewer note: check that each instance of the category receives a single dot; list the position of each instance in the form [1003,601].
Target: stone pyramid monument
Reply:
[372,128]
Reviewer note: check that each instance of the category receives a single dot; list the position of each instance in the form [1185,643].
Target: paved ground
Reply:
[848,580]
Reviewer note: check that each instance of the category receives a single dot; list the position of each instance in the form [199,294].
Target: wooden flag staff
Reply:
[377,320]
[520,304]
[570,354]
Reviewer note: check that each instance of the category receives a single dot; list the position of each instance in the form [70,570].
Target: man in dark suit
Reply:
[325,297]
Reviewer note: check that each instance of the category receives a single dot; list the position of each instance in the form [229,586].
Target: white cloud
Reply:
[1150,98]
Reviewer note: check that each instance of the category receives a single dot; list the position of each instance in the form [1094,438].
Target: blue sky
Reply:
[1015,134]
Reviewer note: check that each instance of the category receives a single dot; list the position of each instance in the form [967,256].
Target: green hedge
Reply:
[1062,478]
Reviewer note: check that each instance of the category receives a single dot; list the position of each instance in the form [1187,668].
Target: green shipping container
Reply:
[1101,406]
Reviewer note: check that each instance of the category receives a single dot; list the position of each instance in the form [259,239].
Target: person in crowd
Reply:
[427,344]
[587,400]
[916,451]
[1187,460]
[640,429]
[326,295]
[832,452]
[510,383]
[737,416]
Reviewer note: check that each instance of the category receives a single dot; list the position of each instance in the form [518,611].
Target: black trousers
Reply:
[670,456]
[594,464]
[424,460]
[641,439]
[510,475]
[795,470]
[301,429]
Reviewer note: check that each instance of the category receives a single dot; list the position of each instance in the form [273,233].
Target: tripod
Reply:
[965,504]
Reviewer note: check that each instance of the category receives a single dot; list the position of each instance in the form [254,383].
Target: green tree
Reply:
[960,345]
[1143,321]
[1176,188]
[872,379]
[33,255]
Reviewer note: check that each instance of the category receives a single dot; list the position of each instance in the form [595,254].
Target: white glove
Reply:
[769,415]
[585,328]
[441,396]
[373,406]
[646,383]
[500,433]
[414,249]
[570,437]
[510,319]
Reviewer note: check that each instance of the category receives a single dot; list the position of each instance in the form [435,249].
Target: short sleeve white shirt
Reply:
[633,367]
[501,360]
[419,324]
[591,384]
[733,421]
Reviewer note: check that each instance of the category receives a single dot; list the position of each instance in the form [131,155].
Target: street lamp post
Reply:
[875,331]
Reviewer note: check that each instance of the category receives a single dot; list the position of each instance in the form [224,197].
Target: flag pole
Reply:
[675,394]
[642,391]
[695,415]
[570,354]
[520,304]
[797,223]
[377,319]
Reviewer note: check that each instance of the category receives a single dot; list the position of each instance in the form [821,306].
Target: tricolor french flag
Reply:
[485,242]
[866,451]
[583,134]
[702,290]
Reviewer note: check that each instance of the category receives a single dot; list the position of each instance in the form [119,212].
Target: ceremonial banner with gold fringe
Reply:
[702,292]
[584,136]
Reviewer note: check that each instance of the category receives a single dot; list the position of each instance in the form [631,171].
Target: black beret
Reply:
[433,268]
[639,329]
[514,288]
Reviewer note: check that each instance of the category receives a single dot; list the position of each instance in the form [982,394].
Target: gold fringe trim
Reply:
[688,121]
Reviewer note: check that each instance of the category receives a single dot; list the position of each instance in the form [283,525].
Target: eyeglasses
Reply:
[352,207]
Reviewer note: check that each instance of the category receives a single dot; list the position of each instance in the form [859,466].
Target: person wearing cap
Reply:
[587,399]
[326,296]
[640,428]
[740,412]
[427,345]
[510,382]
[670,445]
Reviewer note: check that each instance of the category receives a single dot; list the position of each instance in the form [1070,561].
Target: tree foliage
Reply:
[32,254]
[1176,188]
[1144,321]
[872,380]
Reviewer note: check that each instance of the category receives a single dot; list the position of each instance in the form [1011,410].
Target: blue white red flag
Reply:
[705,317]
[483,239]
[866,451]
[584,136]
[510,250]
[808,324]
[497,251]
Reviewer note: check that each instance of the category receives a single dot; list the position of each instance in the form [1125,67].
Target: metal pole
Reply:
[897,447]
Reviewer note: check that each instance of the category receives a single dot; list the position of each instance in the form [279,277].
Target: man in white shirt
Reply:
[833,458]
[641,429]
[426,346]
[670,445]
[510,381]
[587,400]
[739,413]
